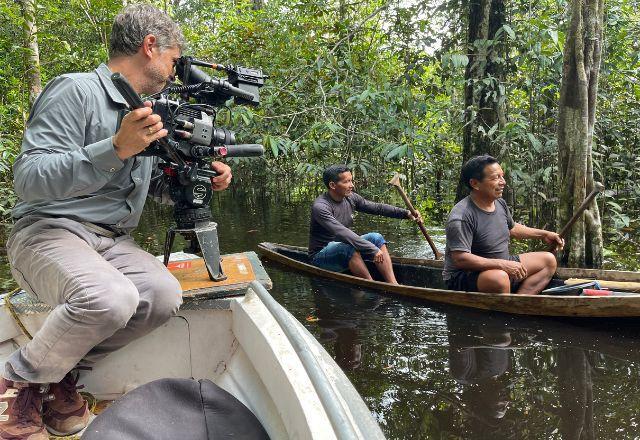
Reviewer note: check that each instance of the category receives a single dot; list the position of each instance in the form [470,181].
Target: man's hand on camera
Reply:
[222,180]
[137,130]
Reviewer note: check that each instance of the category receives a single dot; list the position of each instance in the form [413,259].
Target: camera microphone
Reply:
[241,150]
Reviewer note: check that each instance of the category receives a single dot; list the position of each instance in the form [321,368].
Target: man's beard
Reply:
[155,81]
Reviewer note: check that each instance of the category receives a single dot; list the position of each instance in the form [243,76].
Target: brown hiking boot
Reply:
[21,411]
[65,412]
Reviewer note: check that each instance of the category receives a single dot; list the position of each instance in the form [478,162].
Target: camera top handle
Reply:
[134,101]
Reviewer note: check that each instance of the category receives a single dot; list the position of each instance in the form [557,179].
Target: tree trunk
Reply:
[32,57]
[485,108]
[576,118]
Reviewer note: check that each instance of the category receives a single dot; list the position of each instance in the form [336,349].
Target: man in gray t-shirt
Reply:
[479,228]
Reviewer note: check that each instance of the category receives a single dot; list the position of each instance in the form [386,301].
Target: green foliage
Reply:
[372,84]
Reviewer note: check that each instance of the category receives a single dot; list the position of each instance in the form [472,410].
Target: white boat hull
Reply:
[240,345]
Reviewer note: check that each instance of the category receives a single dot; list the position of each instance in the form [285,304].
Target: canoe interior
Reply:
[408,274]
[428,273]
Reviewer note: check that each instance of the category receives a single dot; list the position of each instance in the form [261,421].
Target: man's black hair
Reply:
[332,173]
[474,168]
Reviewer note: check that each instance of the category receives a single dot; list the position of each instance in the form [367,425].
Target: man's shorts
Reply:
[468,281]
[336,255]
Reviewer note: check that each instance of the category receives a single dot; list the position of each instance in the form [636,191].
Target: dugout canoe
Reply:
[422,278]
[234,334]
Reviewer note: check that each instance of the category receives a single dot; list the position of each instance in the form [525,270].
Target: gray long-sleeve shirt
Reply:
[331,221]
[68,166]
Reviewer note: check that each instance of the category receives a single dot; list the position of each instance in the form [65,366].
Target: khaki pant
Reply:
[105,293]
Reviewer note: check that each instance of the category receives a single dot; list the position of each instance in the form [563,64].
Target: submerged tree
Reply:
[576,118]
[484,92]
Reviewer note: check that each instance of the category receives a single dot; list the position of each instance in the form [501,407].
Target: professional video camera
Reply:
[188,112]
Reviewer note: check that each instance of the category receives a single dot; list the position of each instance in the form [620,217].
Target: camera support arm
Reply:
[192,141]
[203,235]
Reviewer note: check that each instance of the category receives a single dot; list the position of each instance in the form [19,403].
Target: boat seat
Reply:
[22,313]
[170,409]
[24,303]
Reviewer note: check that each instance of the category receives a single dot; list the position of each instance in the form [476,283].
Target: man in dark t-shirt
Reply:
[479,228]
[332,244]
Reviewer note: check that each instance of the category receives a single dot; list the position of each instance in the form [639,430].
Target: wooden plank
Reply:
[258,269]
[541,305]
[601,274]
[239,269]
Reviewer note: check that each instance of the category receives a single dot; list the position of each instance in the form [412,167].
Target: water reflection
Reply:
[340,314]
[479,357]
[482,356]
[575,392]
[429,371]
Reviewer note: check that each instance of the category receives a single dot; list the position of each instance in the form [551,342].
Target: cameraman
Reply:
[82,190]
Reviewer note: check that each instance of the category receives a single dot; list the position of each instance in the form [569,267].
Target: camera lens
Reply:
[223,136]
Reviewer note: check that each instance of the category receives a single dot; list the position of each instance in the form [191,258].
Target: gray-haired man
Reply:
[82,190]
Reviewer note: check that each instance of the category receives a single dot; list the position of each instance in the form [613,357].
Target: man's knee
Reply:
[494,281]
[375,238]
[166,298]
[111,307]
[550,262]
[536,262]
[355,256]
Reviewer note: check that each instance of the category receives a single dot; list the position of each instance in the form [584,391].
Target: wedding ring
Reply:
[150,130]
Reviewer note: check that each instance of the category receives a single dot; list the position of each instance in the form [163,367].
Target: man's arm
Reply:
[369,207]
[467,261]
[55,163]
[323,216]
[459,240]
[524,232]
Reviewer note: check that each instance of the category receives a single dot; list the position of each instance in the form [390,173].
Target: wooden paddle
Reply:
[598,187]
[395,181]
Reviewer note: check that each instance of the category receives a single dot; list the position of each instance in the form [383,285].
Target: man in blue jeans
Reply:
[332,244]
